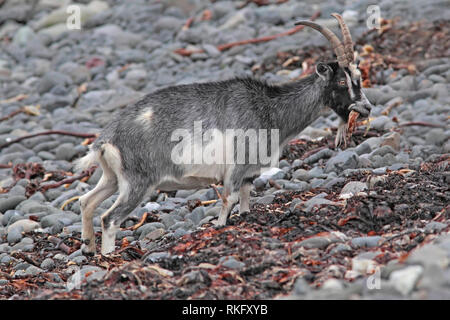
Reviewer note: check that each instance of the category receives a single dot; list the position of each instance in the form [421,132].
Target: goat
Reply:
[134,149]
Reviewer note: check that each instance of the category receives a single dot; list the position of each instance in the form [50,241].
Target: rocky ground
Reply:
[370,221]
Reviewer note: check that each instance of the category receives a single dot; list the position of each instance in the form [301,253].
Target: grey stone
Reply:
[197,214]
[48,264]
[66,218]
[366,242]
[198,195]
[259,183]
[316,202]
[301,287]
[343,160]
[7,217]
[118,35]
[148,227]
[363,148]
[435,226]
[436,136]
[17,190]
[154,235]
[381,123]
[33,206]
[10,202]
[341,247]
[184,193]
[283,163]
[78,73]
[315,242]
[79,260]
[14,235]
[96,276]
[322,154]
[301,174]
[352,188]
[273,173]
[33,271]
[404,280]
[66,151]
[167,23]
[77,278]
[167,219]
[266,199]
[205,220]
[181,232]
[382,151]
[26,225]
[75,254]
[213,212]
[429,255]
[232,263]
[157,256]
[51,79]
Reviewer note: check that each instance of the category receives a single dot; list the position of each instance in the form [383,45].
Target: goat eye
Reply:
[343,83]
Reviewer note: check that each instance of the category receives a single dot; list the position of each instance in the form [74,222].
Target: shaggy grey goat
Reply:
[136,149]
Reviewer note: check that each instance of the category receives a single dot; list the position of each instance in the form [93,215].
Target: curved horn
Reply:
[338,47]
[347,38]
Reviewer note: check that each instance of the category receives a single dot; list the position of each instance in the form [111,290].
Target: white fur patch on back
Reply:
[145,117]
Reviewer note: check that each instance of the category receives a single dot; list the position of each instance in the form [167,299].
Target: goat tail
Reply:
[90,159]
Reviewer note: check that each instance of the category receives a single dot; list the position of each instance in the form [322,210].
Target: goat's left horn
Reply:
[337,45]
[347,38]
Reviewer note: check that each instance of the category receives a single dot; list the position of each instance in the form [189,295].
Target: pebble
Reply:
[435,226]
[332,284]
[351,189]
[405,279]
[366,242]
[154,235]
[301,174]
[232,263]
[429,255]
[48,264]
[315,242]
[156,256]
[14,235]
[25,224]
[10,202]
[33,271]
[147,228]
[96,276]
[343,160]
[301,287]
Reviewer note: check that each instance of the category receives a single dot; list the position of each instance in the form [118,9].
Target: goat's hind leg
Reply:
[105,188]
[131,193]
[235,187]
[229,198]
[244,195]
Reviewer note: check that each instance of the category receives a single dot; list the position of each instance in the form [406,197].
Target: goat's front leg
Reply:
[229,198]
[244,197]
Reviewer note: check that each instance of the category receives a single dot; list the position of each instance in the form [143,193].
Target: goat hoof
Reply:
[217,223]
[86,251]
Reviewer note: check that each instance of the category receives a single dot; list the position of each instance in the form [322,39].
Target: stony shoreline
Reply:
[321,224]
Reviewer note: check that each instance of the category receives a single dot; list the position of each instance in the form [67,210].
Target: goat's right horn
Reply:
[338,47]
[347,37]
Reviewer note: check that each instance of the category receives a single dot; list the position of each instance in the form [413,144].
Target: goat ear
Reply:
[324,71]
